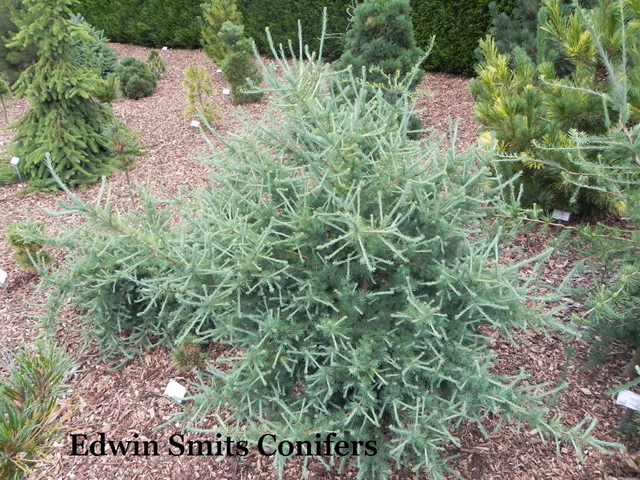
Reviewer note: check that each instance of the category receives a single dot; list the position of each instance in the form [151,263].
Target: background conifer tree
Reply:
[239,65]
[381,40]
[63,118]
[214,14]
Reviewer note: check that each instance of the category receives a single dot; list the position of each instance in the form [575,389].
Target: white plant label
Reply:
[195,124]
[226,91]
[561,215]
[3,276]
[219,71]
[164,49]
[629,399]
[175,391]
[14,160]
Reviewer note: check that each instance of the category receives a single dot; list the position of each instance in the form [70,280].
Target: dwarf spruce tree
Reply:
[349,269]
[63,118]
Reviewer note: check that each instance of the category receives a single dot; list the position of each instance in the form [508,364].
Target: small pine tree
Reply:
[25,239]
[612,253]
[63,118]
[239,66]
[31,383]
[381,40]
[136,78]
[156,64]
[533,105]
[214,14]
[200,94]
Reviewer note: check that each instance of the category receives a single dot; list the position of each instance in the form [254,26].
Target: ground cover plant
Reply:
[348,268]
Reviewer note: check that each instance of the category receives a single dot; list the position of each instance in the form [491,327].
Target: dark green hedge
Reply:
[152,23]
[282,19]
[457,24]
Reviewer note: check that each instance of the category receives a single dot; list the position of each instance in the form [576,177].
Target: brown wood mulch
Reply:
[129,401]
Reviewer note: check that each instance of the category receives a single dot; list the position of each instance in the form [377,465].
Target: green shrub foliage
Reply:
[25,238]
[95,53]
[13,60]
[64,119]
[136,78]
[239,67]
[198,82]
[612,250]
[108,90]
[457,24]
[534,106]
[381,41]
[5,92]
[214,14]
[349,268]
[156,64]
[30,386]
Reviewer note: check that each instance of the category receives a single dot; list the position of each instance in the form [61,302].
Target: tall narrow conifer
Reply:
[63,118]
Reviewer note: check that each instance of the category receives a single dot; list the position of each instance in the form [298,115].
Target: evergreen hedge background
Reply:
[457,24]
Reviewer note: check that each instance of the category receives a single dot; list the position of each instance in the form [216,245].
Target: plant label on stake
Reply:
[14,163]
[629,400]
[3,281]
[175,391]
[561,216]
[195,124]
[226,92]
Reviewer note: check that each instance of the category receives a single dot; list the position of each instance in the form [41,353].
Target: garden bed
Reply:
[127,401]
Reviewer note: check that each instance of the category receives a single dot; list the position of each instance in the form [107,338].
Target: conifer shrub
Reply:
[348,268]
[107,90]
[188,355]
[198,82]
[156,64]
[95,53]
[25,238]
[533,106]
[611,250]
[214,14]
[381,41]
[239,67]
[64,120]
[31,382]
[136,78]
